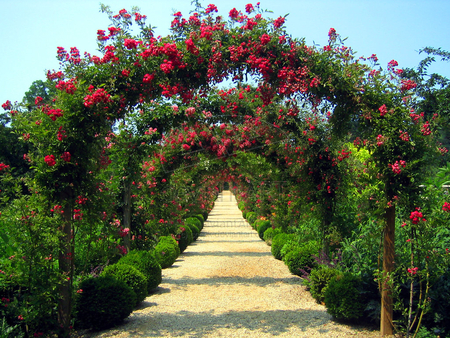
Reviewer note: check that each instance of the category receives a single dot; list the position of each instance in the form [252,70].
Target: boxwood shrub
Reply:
[205,214]
[201,219]
[269,234]
[262,227]
[166,251]
[103,303]
[147,263]
[289,246]
[251,217]
[195,225]
[278,242]
[184,237]
[301,258]
[319,279]
[130,276]
[344,298]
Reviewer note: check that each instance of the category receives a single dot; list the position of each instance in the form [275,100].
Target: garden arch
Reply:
[342,93]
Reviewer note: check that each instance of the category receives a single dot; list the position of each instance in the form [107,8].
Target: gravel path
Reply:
[227,284]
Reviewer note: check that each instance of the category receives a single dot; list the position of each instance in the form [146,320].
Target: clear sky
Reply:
[31,30]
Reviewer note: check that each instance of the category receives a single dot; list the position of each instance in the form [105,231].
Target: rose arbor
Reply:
[204,49]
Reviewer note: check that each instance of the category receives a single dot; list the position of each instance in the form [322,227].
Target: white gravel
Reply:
[227,284]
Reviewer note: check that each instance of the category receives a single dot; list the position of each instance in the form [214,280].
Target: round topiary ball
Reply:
[278,242]
[343,297]
[319,279]
[184,237]
[251,217]
[201,219]
[269,234]
[205,214]
[301,258]
[103,303]
[145,262]
[166,251]
[195,225]
[262,227]
[289,246]
[130,276]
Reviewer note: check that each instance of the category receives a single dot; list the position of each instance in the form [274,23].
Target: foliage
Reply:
[131,276]
[195,225]
[323,146]
[166,251]
[184,237]
[319,279]
[103,302]
[289,246]
[343,298]
[201,219]
[147,263]
[262,227]
[270,233]
[278,241]
[251,217]
[301,258]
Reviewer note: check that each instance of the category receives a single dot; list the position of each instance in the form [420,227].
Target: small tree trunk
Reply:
[387,327]
[65,260]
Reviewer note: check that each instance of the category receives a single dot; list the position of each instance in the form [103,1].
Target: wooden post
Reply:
[65,261]
[387,326]
[127,211]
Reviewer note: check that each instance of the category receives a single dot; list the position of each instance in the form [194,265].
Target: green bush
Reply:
[343,297]
[269,234]
[319,279]
[201,219]
[278,242]
[184,237]
[130,276]
[289,246]
[205,215]
[195,225]
[262,227]
[251,217]
[241,205]
[103,303]
[300,258]
[147,263]
[166,251]
[257,223]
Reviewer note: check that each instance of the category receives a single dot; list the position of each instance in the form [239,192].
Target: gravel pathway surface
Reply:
[227,284]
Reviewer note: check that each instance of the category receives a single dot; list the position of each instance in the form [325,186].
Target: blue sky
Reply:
[31,31]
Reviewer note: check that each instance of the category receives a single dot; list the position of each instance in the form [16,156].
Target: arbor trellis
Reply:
[307,103]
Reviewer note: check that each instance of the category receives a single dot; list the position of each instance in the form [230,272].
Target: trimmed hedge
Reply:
[195,225]
[184,237]
[289,246]
[166,251]
[103,303]
[319,279]
[343,297]
[147,263]
[201,219]
[262,226]
[300,258]
[130,276]
[269,234]
[251,217]
[278,242]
